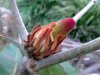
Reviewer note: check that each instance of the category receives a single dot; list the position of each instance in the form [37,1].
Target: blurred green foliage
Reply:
[10,57]
[4,3]
[46,11]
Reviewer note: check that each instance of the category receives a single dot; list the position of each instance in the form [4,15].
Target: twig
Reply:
[67,55]
[18,20]
[84,10]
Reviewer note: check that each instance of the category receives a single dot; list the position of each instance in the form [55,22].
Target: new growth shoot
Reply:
[84,10]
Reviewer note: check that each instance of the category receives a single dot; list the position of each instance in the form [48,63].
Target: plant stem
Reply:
[22,70]
[67,55]
[18,20]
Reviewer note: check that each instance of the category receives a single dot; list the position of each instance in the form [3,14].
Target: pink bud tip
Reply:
[68,23]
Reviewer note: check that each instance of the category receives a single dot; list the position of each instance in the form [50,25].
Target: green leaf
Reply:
[69,69]
[3,71]
[53,70]
[9,60]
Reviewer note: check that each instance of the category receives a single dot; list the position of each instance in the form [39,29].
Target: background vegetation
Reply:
[46,11]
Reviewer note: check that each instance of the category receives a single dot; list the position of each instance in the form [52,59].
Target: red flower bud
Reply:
[44,40]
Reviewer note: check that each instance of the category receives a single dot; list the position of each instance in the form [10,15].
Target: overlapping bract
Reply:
[44,40]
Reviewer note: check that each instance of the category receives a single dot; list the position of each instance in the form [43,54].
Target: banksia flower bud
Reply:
[44,40]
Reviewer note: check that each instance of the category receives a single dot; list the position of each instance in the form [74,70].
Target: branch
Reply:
[18,20]
[67,55]
[22,70]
